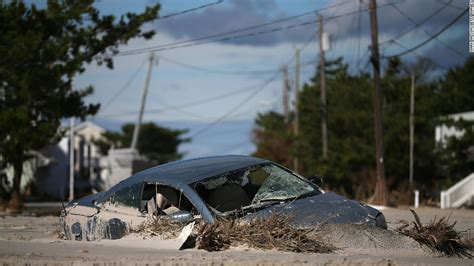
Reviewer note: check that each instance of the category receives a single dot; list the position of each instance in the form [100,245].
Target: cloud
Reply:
[349,33]
[234,14]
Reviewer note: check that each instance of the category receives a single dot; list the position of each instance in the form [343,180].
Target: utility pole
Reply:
[380,196]
[136,131]
[71,160]
[412,125]
[297,97]
[322,73]
[286,89]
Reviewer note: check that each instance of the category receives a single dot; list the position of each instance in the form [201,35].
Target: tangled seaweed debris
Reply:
[275,232]
[160,226]
[439,236]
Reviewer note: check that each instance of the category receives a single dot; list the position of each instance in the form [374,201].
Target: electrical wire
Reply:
[248,72]
[432,37]
[421,56]
[236,107]
[250,96]
[189,10]
[124,87]
[451,4]
[149,49]
[235,31]
[403,33]
[427,33]
[189,66]
[189,104]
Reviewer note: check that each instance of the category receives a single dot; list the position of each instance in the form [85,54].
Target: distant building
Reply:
[443,131]
[53,181]
[46,175]
[119,164]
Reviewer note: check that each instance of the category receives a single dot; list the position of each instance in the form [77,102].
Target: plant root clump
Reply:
[275,232]
[439,236]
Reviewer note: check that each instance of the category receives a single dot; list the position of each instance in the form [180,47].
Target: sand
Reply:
[33,240]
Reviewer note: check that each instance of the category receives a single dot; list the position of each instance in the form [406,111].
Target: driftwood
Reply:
[439,236]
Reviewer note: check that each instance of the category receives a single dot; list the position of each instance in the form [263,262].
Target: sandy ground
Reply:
[33,241]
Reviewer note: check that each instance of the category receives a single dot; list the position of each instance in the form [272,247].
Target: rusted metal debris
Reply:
[439,236]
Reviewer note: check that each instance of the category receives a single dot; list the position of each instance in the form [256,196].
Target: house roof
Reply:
[85,124]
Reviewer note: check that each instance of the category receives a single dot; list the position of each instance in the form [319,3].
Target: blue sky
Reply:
[175,91]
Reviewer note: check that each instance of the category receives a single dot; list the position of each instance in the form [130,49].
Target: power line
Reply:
[189,104]
[451,4]
[189,66]
[416,26]
[206,100]
[189,10]
[248,72]
[145,50]
[421,56]
[253,94]
[427,33]
[124,87]
[236,107]
[234,31]
[432,37]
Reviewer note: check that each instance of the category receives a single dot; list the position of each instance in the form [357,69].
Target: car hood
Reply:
[323,208]
[87,201]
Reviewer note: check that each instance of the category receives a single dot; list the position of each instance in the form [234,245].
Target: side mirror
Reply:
[181,216]
[317,179]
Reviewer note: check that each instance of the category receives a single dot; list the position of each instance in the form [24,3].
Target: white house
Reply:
[53,180]
[443,132]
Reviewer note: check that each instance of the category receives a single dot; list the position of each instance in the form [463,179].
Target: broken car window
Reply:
[281,184]
[129,196]
[252,185]
[160,199]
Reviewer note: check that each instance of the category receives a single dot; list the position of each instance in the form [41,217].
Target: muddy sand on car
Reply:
[34,240]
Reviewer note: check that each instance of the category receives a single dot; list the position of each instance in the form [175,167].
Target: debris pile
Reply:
[160,226]
[275,232]
[439,236]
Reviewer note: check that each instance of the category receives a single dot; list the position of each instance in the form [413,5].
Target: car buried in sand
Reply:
[230,186]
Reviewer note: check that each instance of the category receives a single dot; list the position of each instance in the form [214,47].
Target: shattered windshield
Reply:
[252,185]
[281,185]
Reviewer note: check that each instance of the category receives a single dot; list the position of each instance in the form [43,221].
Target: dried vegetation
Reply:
[160,226]
[439,236]
[275,232]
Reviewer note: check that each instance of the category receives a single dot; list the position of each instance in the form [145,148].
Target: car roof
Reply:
[189,171]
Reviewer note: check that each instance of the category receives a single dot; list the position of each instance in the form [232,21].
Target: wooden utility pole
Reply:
[297,98]
[380,196]
[136,131]
[286,89]
[322,73]
[412,126]
[71,160]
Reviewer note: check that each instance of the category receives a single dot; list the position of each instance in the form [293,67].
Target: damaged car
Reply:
[201,189]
